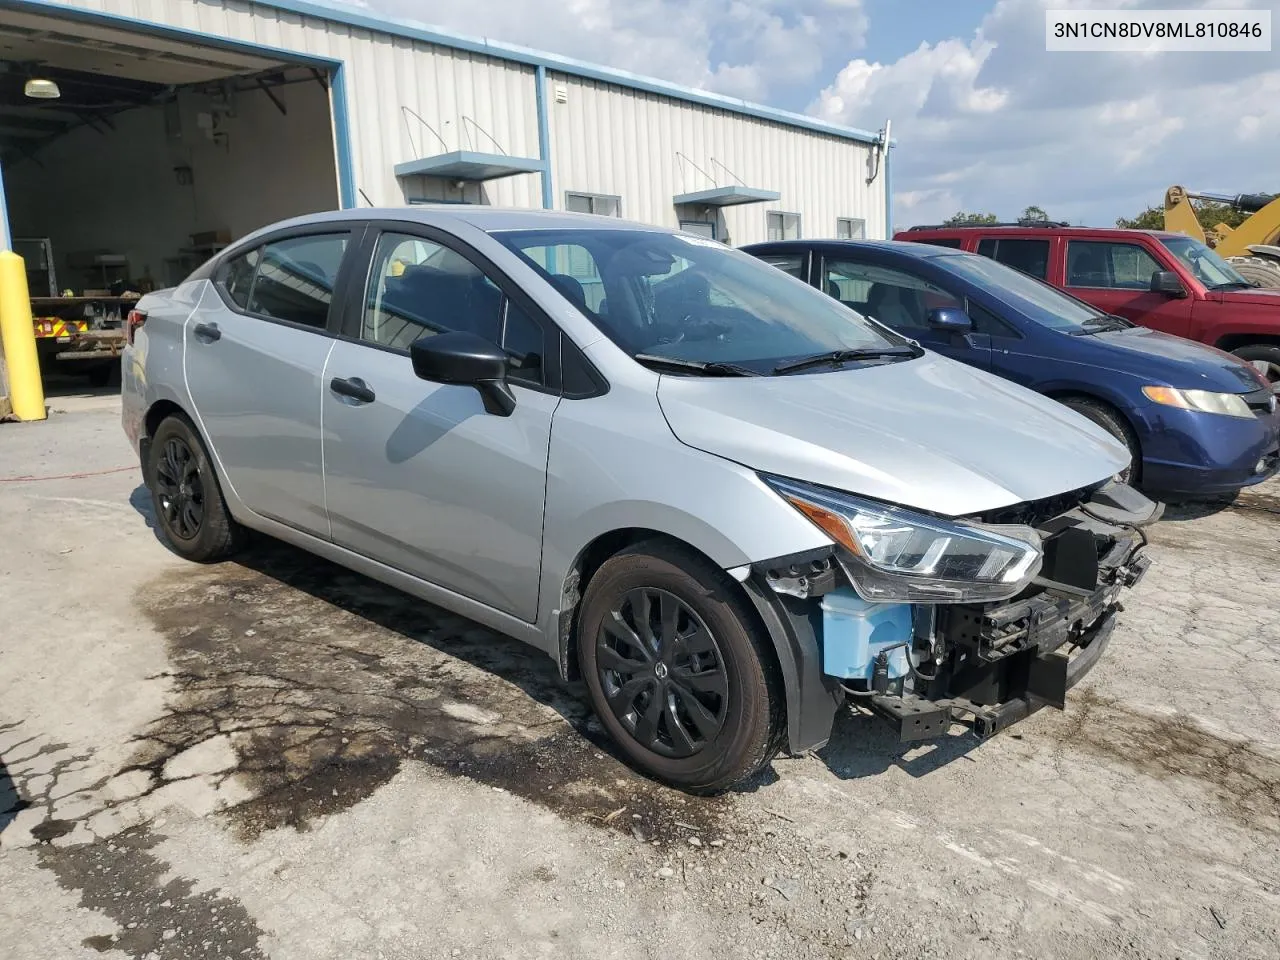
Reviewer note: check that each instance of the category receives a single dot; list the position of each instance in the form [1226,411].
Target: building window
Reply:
[602,205]
[783,226]
[850,228]
[702,228]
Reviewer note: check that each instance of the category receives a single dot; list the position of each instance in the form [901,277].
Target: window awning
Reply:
[468,165]
[729,196]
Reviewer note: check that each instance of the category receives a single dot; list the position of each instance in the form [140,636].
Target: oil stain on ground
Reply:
[157,914]
[324,682]
[1245,784]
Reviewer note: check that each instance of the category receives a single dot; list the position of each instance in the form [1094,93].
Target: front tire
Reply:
[1111,421]
[188,502]
[1265,358]
[678,670]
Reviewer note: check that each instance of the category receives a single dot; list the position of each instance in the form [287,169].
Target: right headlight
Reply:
[896,555]
[1203,401]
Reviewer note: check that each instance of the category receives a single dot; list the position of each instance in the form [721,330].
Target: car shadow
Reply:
[861,745]
[1177,511]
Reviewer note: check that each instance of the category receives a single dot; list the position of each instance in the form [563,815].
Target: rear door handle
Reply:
[353,387]
[208,332]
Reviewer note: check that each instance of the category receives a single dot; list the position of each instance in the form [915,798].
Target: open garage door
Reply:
[129,159]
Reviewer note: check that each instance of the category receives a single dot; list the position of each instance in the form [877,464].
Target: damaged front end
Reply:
[920,659]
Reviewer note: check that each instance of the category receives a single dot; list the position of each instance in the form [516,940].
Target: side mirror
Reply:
[1167,282]
[950,320]
[468,360]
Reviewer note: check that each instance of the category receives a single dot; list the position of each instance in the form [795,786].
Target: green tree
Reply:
[961,218]
[1209,214]
[1034,213]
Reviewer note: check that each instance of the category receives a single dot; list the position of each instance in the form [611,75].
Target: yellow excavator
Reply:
[1253,248]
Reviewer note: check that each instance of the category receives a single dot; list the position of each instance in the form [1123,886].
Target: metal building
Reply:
[149,132]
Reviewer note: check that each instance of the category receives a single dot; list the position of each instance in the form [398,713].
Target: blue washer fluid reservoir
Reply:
[854,631]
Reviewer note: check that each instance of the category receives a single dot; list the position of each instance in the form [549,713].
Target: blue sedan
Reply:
[1198,421]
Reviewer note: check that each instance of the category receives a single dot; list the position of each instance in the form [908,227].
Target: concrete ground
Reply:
[276,758]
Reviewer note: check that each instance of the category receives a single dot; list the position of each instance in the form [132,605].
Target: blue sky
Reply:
[984,117]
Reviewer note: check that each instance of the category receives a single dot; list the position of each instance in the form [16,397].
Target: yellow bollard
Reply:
[26,393]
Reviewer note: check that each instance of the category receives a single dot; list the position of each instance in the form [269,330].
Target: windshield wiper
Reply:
[1104,322]
[1234,285]
[708,368]
[833,358]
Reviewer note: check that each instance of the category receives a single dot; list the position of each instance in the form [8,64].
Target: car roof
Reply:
[921,251]
[1014,230]
[486,218]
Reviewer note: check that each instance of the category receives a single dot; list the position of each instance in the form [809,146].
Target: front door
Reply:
[418,475]
[903,301]
[255,351]
[1116,278]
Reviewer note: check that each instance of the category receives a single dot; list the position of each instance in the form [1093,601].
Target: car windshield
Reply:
[1209,268]
[1040,302]
[689,299]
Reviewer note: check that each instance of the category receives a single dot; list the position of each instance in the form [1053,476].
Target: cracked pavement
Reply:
[278,758]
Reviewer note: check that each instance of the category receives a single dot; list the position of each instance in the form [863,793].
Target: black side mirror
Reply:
[950,320]
[465,359]
[1167,282]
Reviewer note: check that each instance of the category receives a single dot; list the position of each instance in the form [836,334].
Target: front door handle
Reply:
[208,332]
[353,387]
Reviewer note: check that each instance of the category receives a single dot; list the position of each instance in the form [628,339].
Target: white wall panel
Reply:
[648,148]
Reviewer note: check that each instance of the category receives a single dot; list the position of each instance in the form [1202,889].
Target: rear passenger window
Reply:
[296,277]
[1029,256]
[952,242]
[420,288]
[237,277]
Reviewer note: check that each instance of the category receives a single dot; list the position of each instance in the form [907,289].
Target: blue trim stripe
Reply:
[888,192]
[544,136]
[342,137]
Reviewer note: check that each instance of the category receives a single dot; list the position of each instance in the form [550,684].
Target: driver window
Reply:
[1120,266]
[896,299]
[420,288]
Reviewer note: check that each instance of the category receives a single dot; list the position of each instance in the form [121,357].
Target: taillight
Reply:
[132,324]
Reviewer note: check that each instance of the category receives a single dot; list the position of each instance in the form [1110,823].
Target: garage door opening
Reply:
[130,159]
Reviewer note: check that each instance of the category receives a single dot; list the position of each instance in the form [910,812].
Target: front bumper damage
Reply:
[995,664]
[988,665]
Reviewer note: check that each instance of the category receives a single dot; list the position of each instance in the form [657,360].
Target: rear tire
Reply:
[1260,354]
[1263,271]
[188,501]
[1111,421]
[678,669]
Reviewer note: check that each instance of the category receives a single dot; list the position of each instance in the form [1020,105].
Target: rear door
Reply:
[418,475]
[1115,277]
[255,350]
[902,299]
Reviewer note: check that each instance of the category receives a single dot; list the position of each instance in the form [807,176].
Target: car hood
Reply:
[928,433]
[1174,361]
[1260,296]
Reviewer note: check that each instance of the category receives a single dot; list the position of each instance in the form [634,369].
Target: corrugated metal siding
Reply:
[383,74]
[606,139]
[648,148]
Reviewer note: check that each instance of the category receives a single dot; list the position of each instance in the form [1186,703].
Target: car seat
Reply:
[893,306]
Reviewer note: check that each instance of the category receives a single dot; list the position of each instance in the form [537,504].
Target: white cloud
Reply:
[993,122]
[755,49]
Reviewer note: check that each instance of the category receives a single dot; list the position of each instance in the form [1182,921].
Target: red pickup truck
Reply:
[1167,281]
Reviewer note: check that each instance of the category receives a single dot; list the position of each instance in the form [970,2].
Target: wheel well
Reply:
[1064,395]
[1233,341]
[157,414]
[589,560]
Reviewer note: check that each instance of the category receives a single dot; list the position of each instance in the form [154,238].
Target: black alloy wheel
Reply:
[662,673]
[179,489]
